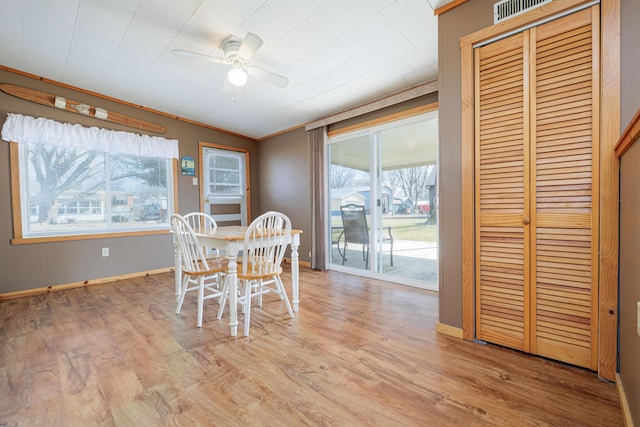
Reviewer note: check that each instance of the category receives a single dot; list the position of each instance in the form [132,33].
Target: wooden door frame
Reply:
[609,132]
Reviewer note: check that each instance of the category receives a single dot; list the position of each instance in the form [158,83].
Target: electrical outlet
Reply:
[105,252]
[638,319]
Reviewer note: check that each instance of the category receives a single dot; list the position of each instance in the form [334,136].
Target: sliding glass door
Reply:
[383,201]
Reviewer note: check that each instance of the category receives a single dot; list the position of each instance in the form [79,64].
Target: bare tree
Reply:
[58,170]
[412,182]
[340,177]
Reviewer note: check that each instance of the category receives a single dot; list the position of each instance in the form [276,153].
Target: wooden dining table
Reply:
[230,239]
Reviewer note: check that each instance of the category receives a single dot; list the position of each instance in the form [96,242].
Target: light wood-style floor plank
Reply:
[360,352]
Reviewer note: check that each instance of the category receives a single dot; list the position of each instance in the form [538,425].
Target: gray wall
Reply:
[629,358]
[40,265]
[460,21]
[285,181]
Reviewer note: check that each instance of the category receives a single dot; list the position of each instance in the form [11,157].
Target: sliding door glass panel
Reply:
[390,171]
[349,190]
[408,194]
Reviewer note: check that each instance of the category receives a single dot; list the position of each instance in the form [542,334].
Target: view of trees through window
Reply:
[69,190]
[412,189]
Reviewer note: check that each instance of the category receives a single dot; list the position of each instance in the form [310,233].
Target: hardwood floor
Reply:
[359,353]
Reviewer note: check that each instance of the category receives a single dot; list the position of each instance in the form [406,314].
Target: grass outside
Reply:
[402,228]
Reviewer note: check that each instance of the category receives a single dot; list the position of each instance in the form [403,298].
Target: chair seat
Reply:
[216,265]
[254,272]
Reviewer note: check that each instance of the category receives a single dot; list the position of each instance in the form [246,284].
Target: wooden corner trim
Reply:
[448,6]
[624,403]
[629,136]
[451,331]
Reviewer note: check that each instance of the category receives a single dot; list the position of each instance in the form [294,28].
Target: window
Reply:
[225,190]
[225,173]
[90,188]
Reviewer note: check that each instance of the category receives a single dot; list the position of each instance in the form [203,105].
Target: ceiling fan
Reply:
[238,55]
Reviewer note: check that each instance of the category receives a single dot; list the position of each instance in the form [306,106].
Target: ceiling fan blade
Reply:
[268,76]
[188,54]
[249,46]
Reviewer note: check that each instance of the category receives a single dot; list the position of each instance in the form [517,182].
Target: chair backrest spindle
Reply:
[191,251]
[265,242]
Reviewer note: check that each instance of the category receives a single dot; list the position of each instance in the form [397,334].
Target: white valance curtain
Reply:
[31,130]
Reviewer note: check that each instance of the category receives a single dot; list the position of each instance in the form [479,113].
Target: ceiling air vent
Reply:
[506,9]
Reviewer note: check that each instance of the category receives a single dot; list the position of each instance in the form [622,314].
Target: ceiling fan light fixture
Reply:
[237,76]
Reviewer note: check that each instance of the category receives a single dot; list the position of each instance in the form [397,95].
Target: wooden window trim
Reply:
[18,238]
[386,119]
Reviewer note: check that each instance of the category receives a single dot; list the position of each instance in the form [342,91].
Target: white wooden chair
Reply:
[198,271]
[265,242]
[203,223]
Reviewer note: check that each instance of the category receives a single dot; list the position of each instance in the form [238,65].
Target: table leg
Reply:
[232,277]
[294,276]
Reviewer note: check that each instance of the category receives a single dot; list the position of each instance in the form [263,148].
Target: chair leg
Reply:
[344,252]
[283,294]
[366,262]
[183,292]
[200,300]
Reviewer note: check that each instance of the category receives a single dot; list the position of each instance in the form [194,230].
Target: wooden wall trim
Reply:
[53,288]
[448,6]
[609,187]
[624,403]
[468,195]
[394,99]
[15,190]
[629,136]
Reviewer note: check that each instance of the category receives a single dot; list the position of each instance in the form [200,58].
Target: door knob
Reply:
[526,221]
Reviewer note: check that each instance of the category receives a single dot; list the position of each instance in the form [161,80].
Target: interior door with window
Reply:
[225,188]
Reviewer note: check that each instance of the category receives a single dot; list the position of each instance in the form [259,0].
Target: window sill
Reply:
[31,240]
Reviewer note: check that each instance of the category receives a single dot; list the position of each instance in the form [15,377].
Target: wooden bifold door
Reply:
[536,178]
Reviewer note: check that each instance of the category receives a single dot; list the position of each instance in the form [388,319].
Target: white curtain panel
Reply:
[30,130]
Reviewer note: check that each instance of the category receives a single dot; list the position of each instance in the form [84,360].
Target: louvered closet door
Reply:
[502,243]
[565,188]
[536,175]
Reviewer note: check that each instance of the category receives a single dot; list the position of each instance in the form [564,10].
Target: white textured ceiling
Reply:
[337,54]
